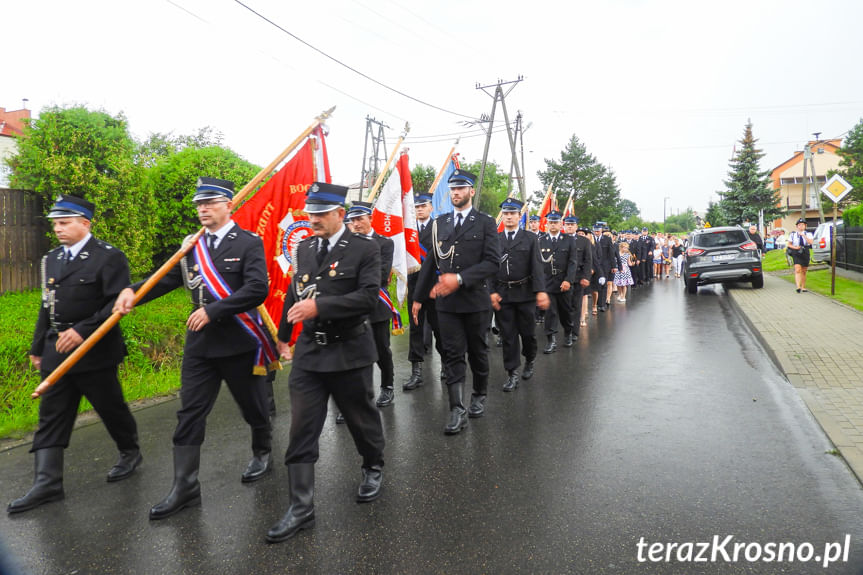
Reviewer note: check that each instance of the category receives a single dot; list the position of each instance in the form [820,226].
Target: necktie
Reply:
[211,242]
[510,236]
[322,251]
[422,227]
[457,222]
[67,257]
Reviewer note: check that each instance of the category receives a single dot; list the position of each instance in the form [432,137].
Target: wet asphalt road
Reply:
[666,421]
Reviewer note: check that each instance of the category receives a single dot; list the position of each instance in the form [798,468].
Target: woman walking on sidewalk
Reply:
[677,251]
[799,244]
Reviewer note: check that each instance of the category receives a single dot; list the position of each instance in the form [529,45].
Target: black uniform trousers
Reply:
[559,310]
[201,381]
[381,333]
[353,393]
[517,330]
[577,291]
[427,314]
[58,409]
[465,333]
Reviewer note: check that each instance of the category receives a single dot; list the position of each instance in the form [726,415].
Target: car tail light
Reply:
[694,251]
[822,244]
[756,269]
[694,275]
[749,246]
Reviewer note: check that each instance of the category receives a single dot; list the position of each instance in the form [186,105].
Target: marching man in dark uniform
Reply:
[605,262]
[333,291]
[518,290]
[466,253]
[557,252]
[226,275]
[360,216]
[533,224]
[80,280]
[583,256]
[423,205]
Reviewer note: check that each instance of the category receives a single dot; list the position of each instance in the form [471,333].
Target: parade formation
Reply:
[474,278]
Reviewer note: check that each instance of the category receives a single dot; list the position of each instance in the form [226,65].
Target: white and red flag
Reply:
[394,216]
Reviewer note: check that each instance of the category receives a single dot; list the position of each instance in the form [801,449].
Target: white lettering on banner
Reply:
[726,550]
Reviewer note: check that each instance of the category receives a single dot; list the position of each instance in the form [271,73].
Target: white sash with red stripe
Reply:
[251,321]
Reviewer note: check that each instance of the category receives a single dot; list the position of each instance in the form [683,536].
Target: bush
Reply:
[853,217]
[154,336]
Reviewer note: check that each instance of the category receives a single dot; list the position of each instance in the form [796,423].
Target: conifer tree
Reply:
[748,189]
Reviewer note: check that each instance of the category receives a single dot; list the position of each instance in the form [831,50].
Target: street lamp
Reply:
[666,198]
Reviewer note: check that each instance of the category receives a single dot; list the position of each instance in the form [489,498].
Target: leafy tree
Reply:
[593,186]
[494,185]
[627,209]
[423,177]
[851,162]
[714,215]
[89,154]
[749,189]
[171,182]
[676,224]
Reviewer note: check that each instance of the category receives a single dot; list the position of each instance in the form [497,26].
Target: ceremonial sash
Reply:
[423,252]
[384,296]
[266,356]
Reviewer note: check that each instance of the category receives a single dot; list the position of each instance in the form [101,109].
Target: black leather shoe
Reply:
[477,406]
[601,307]
[260,465]
[386,397]
[416,379]
[129,460]
[48,484]
[552,345]
[370,488]
[567,342]
[512,381]
[528,370]
[457,421]
[340,419]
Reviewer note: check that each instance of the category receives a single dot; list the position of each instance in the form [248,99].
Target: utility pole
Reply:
[663,211]
[499,95]
[807,153]
[814,179]
[378,155]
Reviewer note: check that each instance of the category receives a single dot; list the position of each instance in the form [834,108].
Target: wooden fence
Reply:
[23,239]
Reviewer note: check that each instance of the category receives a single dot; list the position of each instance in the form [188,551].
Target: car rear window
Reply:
[719,239]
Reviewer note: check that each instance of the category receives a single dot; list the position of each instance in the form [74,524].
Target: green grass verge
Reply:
[154,336]
[849,292]
[774,261]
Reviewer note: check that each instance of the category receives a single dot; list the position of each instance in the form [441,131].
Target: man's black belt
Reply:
[329,337]
[57,327]
[522,281]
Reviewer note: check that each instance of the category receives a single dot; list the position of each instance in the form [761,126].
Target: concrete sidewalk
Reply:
[815,341]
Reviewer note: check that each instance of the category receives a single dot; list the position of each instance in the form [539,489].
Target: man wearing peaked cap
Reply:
[465,255]
[80,280]
[225,273]
[605,262]
[557,252]
[533,223]
[333,292]
[519,289]
[360,216]
[416,352]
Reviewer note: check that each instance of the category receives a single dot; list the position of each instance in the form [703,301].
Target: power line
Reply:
[354,70]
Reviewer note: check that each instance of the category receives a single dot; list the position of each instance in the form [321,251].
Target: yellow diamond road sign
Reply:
[836,188]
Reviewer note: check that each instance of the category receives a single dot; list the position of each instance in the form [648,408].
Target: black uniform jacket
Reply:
[558,258]
[81,296]
[583,258]
[521,273]
[386,245]
[346,287]
[475,255]
[425,240]
[241,262]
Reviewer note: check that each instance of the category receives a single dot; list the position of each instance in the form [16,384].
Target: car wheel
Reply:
[691,285]
[758,282]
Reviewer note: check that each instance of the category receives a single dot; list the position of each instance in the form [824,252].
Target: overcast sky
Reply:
[658,91]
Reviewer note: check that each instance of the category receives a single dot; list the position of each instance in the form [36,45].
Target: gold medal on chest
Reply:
[332,273]
[195,267]
[50,281]
[305,277]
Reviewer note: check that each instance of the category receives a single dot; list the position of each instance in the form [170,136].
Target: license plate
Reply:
[724,257]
